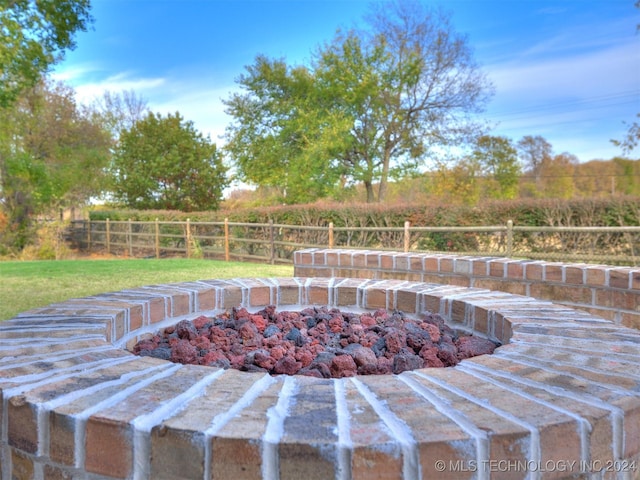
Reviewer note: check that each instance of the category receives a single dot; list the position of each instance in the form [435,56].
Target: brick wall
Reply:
[560,399]
[610,292]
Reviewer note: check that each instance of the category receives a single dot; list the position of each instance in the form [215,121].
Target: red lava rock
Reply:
[343,366]
[278,352]
[236,361]
[287,366]
[364,357]
[186,330]
[305,357]
[470,346]
[429,353]
[213,358]
[183,352]
[335,324]
[249,335]
[202,343]
[367,320]
[385,366]
[263,359]
[240,314]
[317,341]
[259,321]
[146,344]
[200,322]
[432,330]
[448,354]
[406,361]
[395,339]
[273,341]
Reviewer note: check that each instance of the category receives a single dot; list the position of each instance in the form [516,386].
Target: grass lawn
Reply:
[26,285]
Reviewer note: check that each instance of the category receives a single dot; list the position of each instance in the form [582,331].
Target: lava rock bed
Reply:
[316,341]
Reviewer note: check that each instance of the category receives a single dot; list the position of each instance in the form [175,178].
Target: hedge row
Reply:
[616,211]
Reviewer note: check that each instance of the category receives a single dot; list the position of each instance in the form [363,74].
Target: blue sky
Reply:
[568,70]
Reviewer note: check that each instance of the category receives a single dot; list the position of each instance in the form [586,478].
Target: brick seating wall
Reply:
[610,292]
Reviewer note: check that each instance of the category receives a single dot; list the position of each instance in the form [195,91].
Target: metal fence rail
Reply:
[275,243]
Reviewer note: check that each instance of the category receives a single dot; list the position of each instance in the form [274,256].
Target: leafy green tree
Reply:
[457,183]
[54,155]
[274,142]
[596,178]
[408,84]
[165,163]
[372,106]
[557,176]
[628,178]
[33,36]
[498,161]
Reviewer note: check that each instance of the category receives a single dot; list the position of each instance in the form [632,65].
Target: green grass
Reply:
[27,285]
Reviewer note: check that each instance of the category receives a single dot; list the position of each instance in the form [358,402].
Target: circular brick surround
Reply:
[560,398]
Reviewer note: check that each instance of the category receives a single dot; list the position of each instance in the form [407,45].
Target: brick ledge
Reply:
[563,391]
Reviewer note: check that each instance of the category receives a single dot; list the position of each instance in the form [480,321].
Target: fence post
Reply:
[130,238]
[330,234]
[407,236]
[157,239]
[188,240]
[89,236]
[227,256]
[272,245]
[108,237]
[509,238]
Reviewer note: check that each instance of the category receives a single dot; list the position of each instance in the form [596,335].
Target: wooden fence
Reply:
[275,243]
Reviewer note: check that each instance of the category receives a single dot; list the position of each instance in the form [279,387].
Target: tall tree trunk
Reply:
[371,198]
[384,177]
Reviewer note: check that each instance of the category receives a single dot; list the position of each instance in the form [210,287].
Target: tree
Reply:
[120,111]
[457,184]
[164,163]
[54,154]
[557,176]
[534,151]
[33,36]
[631,140]
[410,84]
[498,161]
[372,105]
[552,174]
[274,141]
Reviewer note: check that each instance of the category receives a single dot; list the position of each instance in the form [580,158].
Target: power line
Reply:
[604,175]
[621,98]
[614,175]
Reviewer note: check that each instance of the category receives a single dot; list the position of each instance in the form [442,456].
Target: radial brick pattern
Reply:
[560,399]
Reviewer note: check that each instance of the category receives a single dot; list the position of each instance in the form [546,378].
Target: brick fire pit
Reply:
[560,398]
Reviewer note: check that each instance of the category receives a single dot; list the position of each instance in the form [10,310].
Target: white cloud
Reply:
[118,83]
[192,95]
[200,104]
[592,74]
[89,83]
[576,100]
